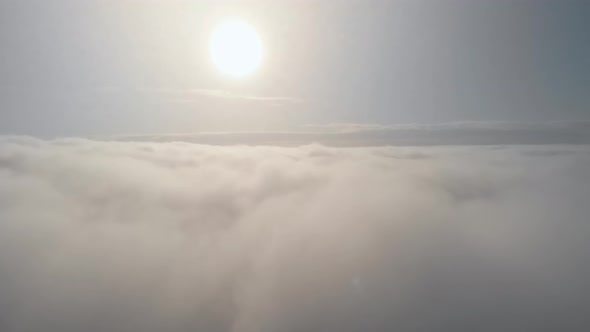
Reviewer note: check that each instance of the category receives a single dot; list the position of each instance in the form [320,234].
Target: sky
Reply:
[132,67]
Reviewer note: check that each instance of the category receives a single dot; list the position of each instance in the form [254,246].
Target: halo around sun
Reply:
[235,48]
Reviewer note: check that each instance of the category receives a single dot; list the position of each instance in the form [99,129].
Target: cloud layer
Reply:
[357,135]
[114,236]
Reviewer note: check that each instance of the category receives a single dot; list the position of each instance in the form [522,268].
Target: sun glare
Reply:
[236,48]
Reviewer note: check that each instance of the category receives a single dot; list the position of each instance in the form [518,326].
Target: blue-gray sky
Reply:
[102,67]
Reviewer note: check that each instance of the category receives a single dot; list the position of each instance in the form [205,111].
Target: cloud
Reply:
[194,95]
[189,96]
[216,93]
[358,135]
[144,236]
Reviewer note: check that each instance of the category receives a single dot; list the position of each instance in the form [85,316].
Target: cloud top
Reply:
[115,236]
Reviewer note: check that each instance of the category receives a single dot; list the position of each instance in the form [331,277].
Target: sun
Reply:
[235,48]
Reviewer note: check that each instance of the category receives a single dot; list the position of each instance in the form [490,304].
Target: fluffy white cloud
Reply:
[113,236]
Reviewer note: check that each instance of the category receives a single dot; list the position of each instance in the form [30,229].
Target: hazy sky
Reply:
[71,67]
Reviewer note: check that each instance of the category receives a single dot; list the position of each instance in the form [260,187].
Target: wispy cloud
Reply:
[190,95]
[216,93]
[353,134]
[500,126]
[195,95]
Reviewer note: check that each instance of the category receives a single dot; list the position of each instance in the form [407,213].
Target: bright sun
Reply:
[235,48]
